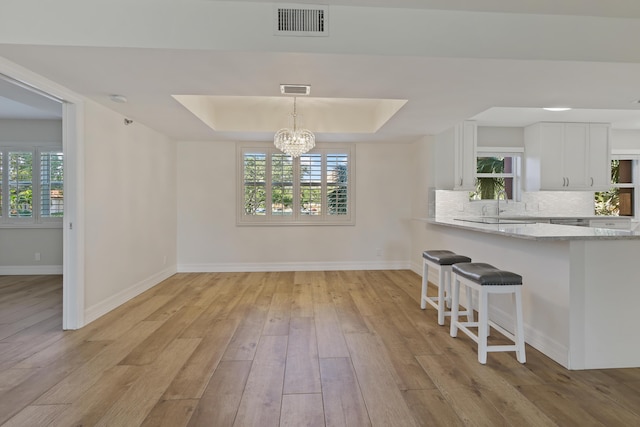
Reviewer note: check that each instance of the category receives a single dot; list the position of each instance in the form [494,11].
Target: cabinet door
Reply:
[599,176]
[465,156]
[575,154]
[551,155]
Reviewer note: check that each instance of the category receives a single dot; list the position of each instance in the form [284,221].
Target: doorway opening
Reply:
[39,94]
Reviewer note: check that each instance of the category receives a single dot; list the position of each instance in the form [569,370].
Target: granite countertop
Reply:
[536,231]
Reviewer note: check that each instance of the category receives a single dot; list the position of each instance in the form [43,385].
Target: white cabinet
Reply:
[567,156]
[464,166]
[455,160]
[599,178]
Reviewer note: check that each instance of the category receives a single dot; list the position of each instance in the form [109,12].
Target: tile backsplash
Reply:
[448,203]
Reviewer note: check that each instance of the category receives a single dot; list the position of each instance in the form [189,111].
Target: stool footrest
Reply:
[464,327]
[494,348]
[433,302]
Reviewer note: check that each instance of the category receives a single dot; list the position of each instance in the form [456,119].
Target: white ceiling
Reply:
[608,8]
[505,86]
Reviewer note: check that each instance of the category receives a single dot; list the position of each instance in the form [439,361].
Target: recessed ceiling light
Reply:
[120,99]
[557,108]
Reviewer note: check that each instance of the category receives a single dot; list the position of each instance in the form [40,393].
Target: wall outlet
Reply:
[37,256]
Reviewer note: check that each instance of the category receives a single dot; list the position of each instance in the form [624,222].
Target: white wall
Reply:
[494,136]
[130,209]
[209,240]
[18,246]
[23,131]
[625,139]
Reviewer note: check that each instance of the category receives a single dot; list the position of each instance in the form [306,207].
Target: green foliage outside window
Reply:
[337,198]
[488,187]
[608,202]
[20,184]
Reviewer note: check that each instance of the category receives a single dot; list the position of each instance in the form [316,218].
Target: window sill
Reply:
[293,224]
[31,225]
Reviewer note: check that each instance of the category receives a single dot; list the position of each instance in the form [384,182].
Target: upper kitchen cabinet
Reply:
[456,157]
[567,156]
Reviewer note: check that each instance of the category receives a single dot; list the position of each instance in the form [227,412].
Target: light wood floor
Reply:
[346,348]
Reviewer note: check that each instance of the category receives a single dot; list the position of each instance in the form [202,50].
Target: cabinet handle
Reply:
[460,182]
[564,181]
[567,181]
[592,181]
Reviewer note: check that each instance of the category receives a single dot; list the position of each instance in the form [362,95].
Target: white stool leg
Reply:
[519,328]
[483,325]
[455,302]
[447,289]
[425,279]
[441,289]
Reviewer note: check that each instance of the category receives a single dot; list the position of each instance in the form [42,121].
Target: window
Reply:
[27,172]
[495,172]
[620,200]
[315,188]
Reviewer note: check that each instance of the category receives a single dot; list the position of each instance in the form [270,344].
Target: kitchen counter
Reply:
[580,285]
[520,227]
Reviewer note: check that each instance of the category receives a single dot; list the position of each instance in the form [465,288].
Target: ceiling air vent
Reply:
[295,89]
[301,20]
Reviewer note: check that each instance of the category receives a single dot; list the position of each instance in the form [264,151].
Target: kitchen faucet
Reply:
[504,193]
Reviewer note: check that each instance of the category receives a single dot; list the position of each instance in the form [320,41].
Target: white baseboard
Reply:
[103,307]
[293,266]
[27,270]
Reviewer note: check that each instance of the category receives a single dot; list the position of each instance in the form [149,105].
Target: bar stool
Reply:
[442,261]
[487,279]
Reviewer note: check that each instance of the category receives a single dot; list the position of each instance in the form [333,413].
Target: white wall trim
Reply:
[481,149]
[292,266]
[17,270]
[105,306]
[625,151]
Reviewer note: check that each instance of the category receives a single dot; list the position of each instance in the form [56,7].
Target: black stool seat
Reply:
[486,274]
[442,257]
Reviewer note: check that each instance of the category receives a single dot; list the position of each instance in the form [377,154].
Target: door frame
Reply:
[73,220]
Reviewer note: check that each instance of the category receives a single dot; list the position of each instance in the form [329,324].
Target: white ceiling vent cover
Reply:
[301,20]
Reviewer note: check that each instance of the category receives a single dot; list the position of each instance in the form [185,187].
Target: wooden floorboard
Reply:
[334,348]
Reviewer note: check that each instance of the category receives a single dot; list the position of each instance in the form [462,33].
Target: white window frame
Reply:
[297,217]
[36,220]
[517,154]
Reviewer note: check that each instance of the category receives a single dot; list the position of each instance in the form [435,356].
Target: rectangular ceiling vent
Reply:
[295,89]
[301,20]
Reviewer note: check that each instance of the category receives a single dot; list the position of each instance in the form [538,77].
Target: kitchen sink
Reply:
[482,220]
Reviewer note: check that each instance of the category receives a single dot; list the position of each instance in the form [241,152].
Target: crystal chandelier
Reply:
[294,142]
